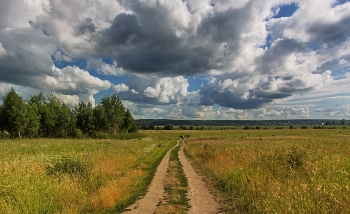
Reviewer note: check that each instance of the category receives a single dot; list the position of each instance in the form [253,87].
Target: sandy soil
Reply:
[200,199]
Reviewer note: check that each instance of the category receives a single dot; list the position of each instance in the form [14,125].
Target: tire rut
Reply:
[201,201]
[149,202]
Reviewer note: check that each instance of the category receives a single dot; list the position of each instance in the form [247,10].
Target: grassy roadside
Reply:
[176,187]
[76,176]
[276,171]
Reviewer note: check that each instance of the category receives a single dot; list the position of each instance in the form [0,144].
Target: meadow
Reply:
[249,171]
[76,176]
[275,171]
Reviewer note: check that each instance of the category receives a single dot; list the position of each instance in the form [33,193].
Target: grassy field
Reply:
[76,176]
[275,171]
[251,171]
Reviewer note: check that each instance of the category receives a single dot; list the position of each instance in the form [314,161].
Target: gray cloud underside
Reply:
[157,42]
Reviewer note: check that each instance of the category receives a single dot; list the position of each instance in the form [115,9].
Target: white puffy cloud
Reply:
[70,100]
[69,46]
[121,88]
[155,90]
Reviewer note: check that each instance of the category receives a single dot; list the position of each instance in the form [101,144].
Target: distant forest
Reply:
[47,117]
[154,123]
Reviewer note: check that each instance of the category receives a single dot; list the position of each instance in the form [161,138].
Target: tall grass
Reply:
[276,171]
[76,176]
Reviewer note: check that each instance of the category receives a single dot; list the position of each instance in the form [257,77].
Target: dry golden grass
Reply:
[269,171]
[120,170]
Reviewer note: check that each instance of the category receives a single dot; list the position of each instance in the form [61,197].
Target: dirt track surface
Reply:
[200,199]
[155,192]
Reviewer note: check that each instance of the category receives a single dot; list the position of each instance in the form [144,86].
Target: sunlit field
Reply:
[76,176]
[275,171]
[249,171]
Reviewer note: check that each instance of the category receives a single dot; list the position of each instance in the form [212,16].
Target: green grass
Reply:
[252,171]
[276,171]
[76,176]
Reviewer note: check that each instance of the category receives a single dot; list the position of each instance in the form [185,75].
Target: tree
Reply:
[39,101]
[65,123]
[32,128]
[114,111]
[14,114]
[100,119]
[168,127]
[85,118]
[129,122]
[342,122]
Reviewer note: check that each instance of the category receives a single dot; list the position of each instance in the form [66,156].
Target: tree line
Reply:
[47,117]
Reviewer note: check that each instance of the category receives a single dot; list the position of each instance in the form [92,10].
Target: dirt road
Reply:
[200,199]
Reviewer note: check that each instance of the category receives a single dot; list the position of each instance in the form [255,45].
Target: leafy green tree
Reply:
[168,127]
[39,101]
[100,119]
[14,113]
[114,111]
[129,122]
[65,123]
[85,118]
[33,125]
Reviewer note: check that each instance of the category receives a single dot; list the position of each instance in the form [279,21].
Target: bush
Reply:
[69,165]
[295,157]
[168,127]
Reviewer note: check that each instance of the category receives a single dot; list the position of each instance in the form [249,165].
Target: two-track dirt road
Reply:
[201,200]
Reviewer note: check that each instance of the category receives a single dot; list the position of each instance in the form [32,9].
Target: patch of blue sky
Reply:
[340,2]
[285,10]
[267,43]
[312,46]
[102,94]
[108,60]
[81,63]
[195,82]
[340,73]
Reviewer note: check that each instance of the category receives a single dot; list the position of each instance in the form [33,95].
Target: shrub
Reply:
[295,157]
[69,165]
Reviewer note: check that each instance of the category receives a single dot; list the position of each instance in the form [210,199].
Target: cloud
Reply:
[70,100]
[121,88]
[72,80]
[251,58]
[3,52]
[154,90]
[256,92]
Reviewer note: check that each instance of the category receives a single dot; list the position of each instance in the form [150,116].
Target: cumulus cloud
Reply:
[155,90]
[252,59]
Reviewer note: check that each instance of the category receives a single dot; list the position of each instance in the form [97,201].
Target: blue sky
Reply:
[183,59]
